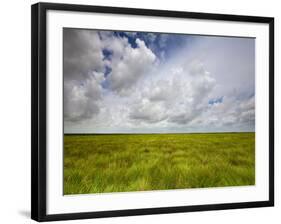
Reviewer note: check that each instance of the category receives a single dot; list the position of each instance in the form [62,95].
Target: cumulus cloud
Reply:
[129,68]
[82,100]
[116,84]
[85,64]
[179,97]
[232,113]
[147,111]
[82,51]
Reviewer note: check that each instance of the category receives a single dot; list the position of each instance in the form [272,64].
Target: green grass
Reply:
[138,162]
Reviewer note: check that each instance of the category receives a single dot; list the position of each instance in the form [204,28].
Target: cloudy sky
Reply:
[134,82]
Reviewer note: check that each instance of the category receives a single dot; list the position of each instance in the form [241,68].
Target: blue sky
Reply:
[139,82]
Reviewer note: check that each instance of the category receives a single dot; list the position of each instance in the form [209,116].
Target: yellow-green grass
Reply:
[139,162]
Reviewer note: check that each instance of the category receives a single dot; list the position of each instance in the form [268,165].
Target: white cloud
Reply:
[83,66]
[142,94]
[232,113]
[177,96]
[130,67]
[82,53]
[84,76]
[82,100]
[147,111]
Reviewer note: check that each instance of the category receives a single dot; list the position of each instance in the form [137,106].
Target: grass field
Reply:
[138,162]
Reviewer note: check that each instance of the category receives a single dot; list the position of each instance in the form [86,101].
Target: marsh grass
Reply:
[139,162]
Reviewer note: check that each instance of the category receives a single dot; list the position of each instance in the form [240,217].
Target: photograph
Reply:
[139,111]
[147,111]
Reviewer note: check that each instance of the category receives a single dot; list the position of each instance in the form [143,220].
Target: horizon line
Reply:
[161,133]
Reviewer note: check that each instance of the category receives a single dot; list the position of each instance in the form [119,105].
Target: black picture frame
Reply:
[38,108]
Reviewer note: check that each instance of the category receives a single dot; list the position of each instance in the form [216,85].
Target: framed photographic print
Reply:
[139,111]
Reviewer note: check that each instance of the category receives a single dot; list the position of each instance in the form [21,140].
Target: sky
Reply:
[140,82]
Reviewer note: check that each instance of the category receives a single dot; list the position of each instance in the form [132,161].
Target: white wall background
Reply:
[15,110]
